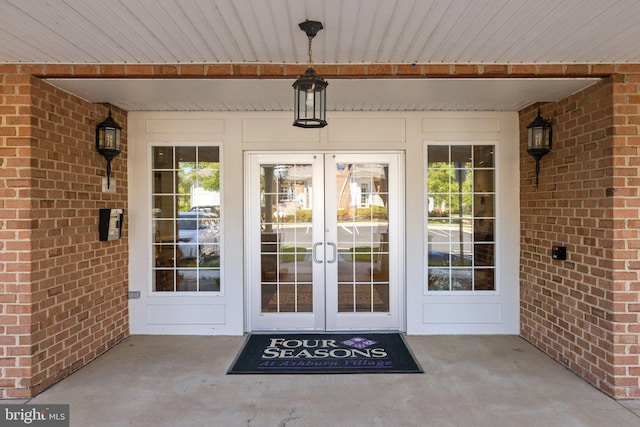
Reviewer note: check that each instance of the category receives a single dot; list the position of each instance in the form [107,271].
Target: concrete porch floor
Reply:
[468,381]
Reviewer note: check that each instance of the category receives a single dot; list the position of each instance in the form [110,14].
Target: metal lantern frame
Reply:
[540,140]
[310,104]
[108,140]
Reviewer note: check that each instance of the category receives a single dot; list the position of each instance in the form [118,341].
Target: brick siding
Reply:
[583,312]
[62,292]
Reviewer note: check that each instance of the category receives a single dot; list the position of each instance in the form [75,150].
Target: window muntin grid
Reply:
[186,229]
[362,217]
[461,221]
[286,238]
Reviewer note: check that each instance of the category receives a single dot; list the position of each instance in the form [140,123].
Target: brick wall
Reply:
[584,311]
[15,233]
[62,291]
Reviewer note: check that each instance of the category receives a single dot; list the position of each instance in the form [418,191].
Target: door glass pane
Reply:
[363,237]
[185,218]
[286,238]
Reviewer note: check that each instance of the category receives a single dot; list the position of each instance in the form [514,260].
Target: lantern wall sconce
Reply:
[108,142]
[540,140]
[310,104]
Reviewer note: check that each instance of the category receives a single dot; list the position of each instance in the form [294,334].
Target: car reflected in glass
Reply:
[198,236]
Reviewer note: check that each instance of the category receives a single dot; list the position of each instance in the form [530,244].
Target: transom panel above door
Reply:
[323,240]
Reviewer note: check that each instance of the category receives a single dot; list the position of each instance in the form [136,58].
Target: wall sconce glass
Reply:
[108,142]
[540,140]
[310,104]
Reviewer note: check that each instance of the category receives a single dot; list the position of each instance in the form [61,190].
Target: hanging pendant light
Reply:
[310,104]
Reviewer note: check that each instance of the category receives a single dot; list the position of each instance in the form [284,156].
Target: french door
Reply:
[324,241]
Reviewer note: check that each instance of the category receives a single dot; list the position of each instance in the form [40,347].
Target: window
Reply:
[185,215]
[364,194]
[460,227]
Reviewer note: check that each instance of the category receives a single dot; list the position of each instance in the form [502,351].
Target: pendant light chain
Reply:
[310,63]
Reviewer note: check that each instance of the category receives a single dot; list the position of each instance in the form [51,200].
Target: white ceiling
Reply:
[342,95]
[355,32]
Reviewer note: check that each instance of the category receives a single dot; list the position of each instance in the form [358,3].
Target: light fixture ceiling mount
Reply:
[311,28]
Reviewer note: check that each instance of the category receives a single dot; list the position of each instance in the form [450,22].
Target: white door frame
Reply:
[314,321]
[269,321]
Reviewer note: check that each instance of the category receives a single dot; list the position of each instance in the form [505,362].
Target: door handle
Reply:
[335,252]
[313,253]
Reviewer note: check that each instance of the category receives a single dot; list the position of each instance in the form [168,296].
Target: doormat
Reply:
[343,353]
